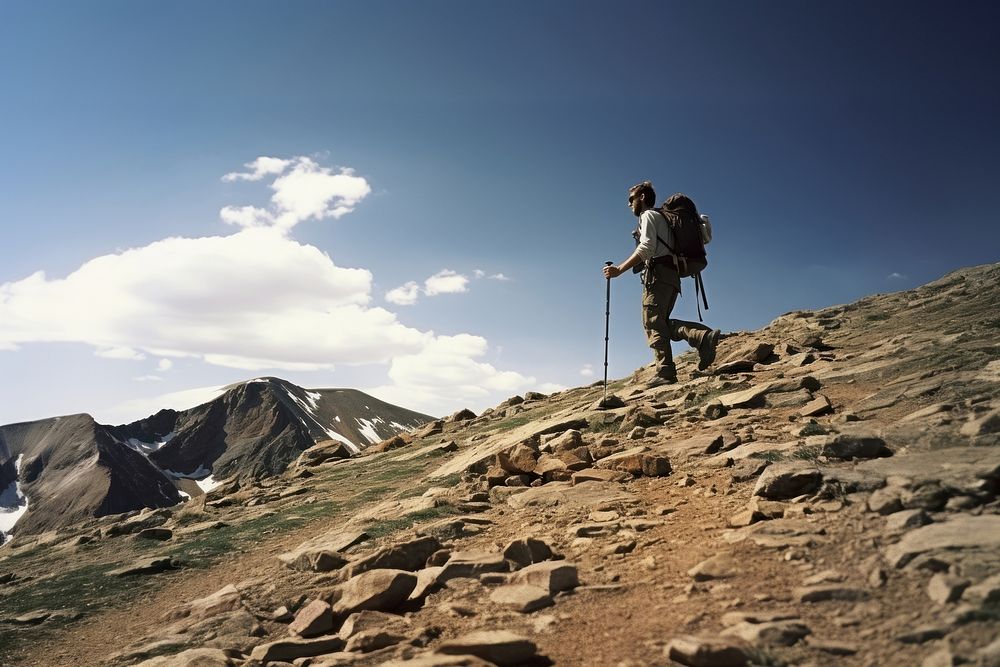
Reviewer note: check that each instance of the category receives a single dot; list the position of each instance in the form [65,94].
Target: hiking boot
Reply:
[660,381]
[706,351]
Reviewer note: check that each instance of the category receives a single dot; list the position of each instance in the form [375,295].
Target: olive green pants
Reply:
[659,294]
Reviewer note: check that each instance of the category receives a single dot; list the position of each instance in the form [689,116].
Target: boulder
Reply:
[551,576]
[322,553]
[411,556]
[144,566]
[519,460]
[854,446]
[316,618]
[570,439]
[500,647]
[376,590]
[782,481]
[775,633]
[287,650]
[471,564]
[223,600]
[981,533]
[521,597]
[527,550]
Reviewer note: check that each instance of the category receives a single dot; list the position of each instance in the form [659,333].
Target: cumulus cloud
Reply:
[499,276]
[445,281]
[587,370]
[255,299]
[895,276]
[164,365]
[258,169]
[404,295]
[303,190]
[446,375]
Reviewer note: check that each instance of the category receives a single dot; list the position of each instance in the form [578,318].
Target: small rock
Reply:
[708,652]
[776,633]
[945,588]
[820,405]
[719,566]
[832,646]
[826,592]
[922,634]
[551,576]
[524,598]
[907,519]
[160,534]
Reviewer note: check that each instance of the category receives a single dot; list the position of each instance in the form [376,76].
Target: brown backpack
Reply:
[689,244]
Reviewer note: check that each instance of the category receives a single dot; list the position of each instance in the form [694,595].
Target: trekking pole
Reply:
[607,324]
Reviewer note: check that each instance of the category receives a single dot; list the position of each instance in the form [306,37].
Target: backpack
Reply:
[691,233]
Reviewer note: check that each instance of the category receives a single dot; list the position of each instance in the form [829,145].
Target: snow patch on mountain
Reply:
[150,447]
[13,502]
[367,428]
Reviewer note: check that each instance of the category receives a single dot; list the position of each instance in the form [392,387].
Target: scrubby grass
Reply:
[389,526]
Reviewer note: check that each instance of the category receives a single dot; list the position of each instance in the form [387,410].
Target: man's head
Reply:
[641,197]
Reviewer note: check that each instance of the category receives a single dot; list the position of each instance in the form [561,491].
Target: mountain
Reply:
[72,468]
[827,493]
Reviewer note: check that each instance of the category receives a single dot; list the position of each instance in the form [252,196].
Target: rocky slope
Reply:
[74,469]
[825,495]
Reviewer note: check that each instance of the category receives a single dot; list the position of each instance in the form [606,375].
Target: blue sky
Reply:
[842,149]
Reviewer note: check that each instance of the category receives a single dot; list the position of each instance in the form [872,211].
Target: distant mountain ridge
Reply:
[72,468]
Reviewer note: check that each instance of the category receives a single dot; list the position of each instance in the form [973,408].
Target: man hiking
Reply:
[661,284]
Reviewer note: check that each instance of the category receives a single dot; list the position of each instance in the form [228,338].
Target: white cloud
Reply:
[404,295]
[446,376]
[148,378]
[895,276]
[245,216]
[587,370]
[259,168]
[164,365]
[479,273]
[255,299]
[116,352]
[303,190]
[445,281]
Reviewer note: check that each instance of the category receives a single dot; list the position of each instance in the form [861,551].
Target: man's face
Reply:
[635,203]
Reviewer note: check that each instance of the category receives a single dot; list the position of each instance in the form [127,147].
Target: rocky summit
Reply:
[826,494]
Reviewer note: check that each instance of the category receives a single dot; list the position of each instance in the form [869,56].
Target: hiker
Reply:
[661,284]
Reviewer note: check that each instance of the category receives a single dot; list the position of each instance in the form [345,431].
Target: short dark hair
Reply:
[641,190]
